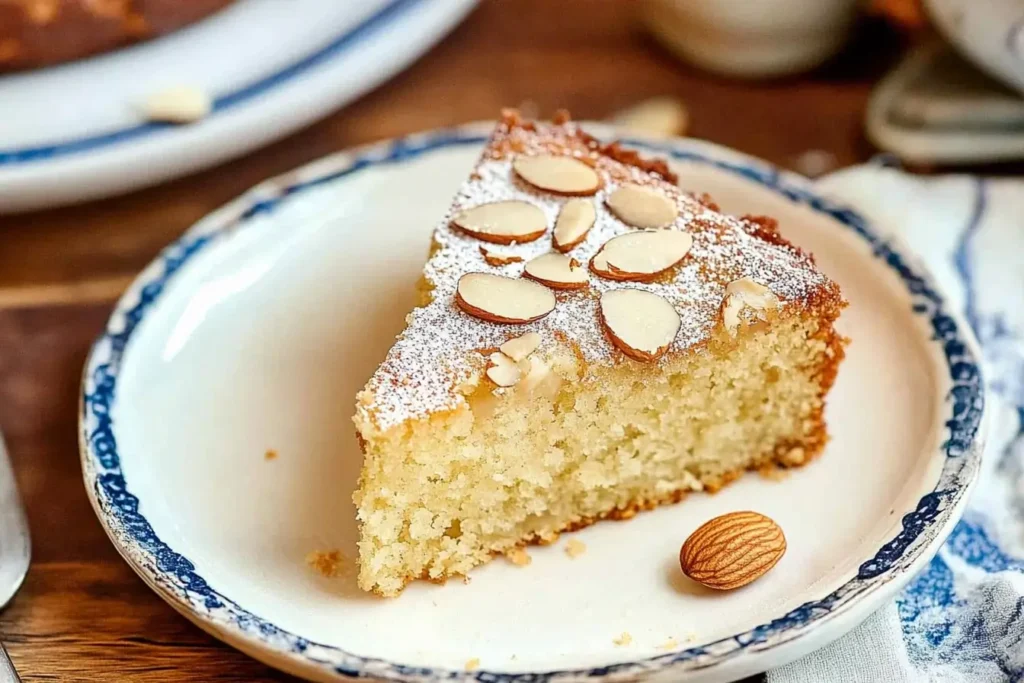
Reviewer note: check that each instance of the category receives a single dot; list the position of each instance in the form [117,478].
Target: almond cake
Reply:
[591,341]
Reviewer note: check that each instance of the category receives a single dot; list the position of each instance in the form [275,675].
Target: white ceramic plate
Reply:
[73,132]
[256,329]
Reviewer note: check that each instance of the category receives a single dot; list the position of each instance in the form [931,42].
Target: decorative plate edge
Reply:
[175,578]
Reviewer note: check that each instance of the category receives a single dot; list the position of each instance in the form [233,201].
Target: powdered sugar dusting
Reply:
[440,348]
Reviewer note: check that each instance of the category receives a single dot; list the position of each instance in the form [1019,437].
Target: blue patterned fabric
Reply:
[962,619]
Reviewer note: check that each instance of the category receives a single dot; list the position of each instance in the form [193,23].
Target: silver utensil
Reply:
[15,549]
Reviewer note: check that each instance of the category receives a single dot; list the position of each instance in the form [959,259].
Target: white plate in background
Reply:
[73,132]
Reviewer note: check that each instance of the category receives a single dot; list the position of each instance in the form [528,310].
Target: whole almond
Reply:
[732,550]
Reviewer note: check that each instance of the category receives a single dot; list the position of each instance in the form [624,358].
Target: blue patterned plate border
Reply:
[175,578]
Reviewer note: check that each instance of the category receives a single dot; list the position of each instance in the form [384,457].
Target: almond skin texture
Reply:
[732,550]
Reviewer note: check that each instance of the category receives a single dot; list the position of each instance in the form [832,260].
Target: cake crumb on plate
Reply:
[669,644]
[519,557]
[575,548]
[773,472]
[624,639]
[328,563]
[271,454]
[472,664]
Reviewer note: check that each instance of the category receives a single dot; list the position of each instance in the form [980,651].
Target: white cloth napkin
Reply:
[962,618]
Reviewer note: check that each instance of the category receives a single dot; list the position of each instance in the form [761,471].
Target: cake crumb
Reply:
[575,548]
[690,636]
[669,644]
[328,563]
[472,664]
[624,639]
[519,557]
[271,454]
[773,472]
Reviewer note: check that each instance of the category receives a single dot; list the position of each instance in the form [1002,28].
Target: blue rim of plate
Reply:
[176,579]
[337,46]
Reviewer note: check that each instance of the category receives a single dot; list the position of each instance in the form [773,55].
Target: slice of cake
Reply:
[592,341]
[36,33]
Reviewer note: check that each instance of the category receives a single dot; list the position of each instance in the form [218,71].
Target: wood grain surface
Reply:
[82,614]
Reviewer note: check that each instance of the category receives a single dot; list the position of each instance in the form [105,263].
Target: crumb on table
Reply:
[271,454]
[472,664]
[519,557]
[669,644]
[691,636]
[575,548]
[328,563]
[623,639]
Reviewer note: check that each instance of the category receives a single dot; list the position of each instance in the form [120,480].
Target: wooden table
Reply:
[82,614]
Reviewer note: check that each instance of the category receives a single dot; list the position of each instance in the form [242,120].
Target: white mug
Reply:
[752,38]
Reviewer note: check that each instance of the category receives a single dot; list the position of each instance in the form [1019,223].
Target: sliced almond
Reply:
[519,348]
[661,116]
[558,174]
[500,299]
[503,222]
[742,294]
[641,324]
[641,256]
[557,271]
[179,104]
[574,222]
[539,380]
[495,259]
[642,207]
[502,370]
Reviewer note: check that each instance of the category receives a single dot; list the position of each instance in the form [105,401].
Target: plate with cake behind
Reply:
[219,453]
[262,68]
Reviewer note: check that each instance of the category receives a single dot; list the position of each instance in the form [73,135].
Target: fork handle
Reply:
[7,671]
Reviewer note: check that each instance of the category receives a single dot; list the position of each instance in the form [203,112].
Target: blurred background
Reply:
[198,100]
[124,122]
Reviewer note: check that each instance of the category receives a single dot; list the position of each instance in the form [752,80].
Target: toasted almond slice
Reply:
[746,293]
[662,116]
[641,324]
[179,104]
[557,271]
[641,256]
[500,299]
[558,174]
[574,222]
[519,348]
[495,259]
[642,207]
[539,380]
[502,370]
[503,222]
